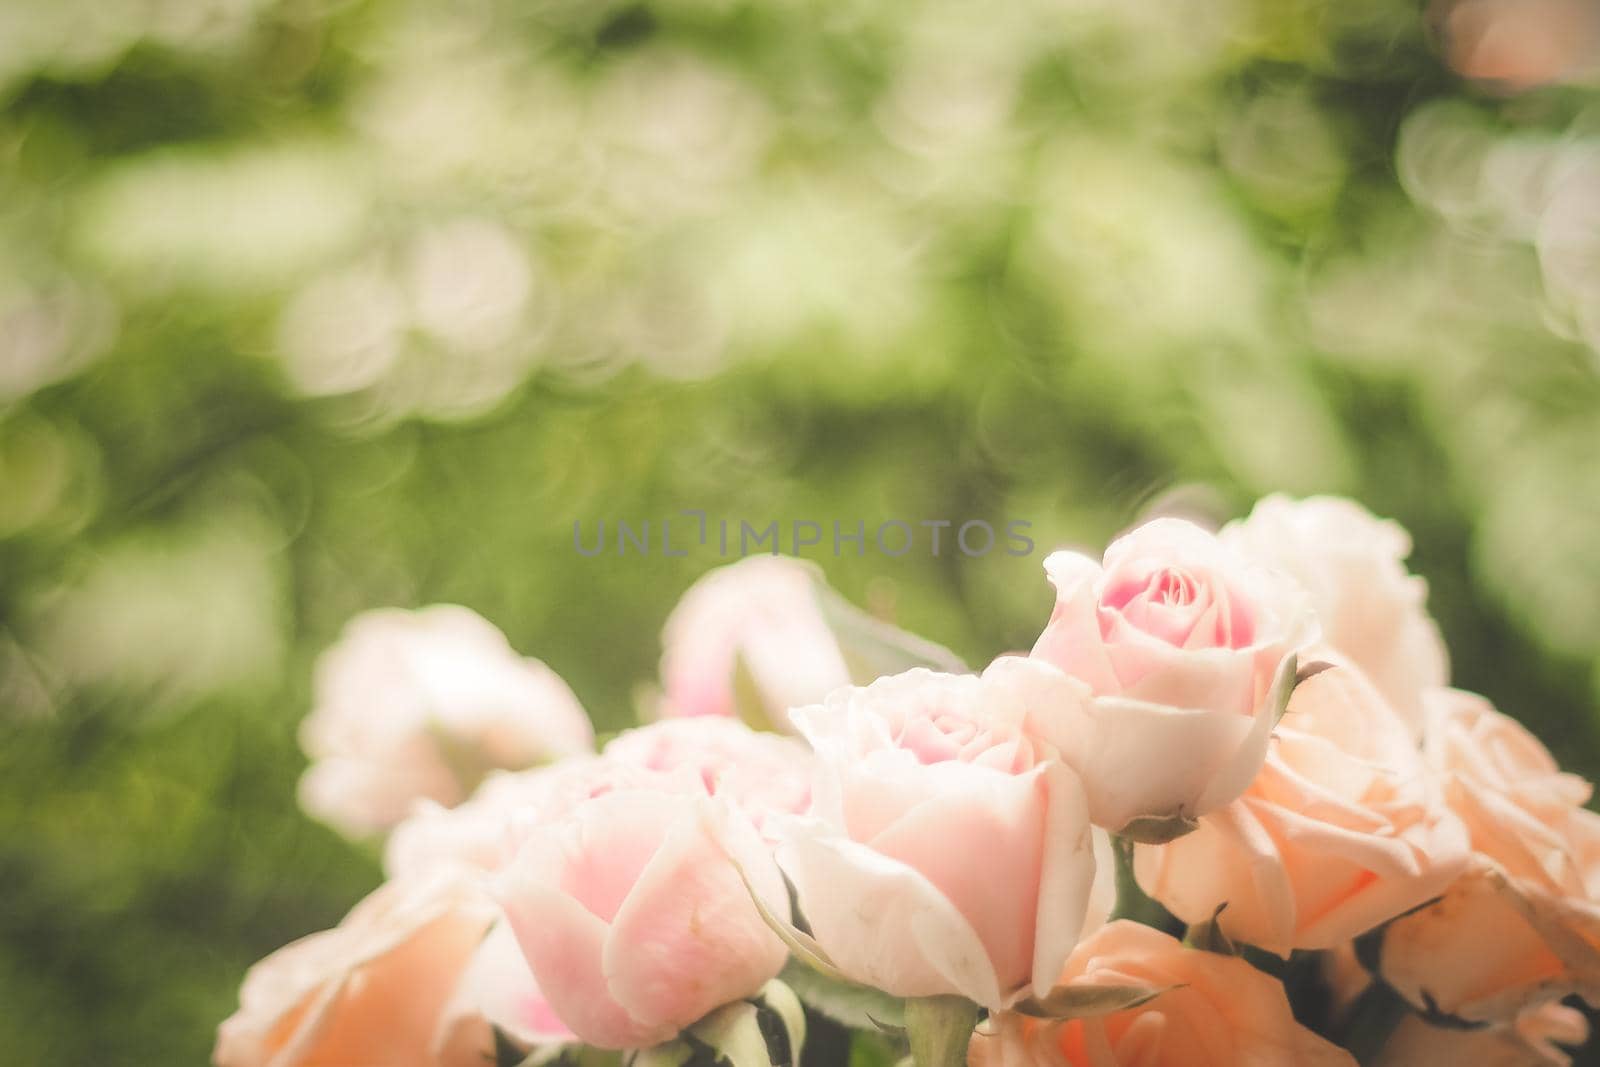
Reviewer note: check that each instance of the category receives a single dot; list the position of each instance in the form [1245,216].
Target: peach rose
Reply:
[947,852]
[760,616]
[1373,612]
[1209,1011]
[632,915]
[1522,925]
[1533,1039]
[1185,647]
[385,988]
[420,704]
[1342,830]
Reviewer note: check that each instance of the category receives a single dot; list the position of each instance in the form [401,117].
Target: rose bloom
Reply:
[760,615]
[1340,831]
[1212,1011]
[396,984]
[1182,644]
[420,704]
[482,833]
[632,913]
[1372,611]
[761,773]
[1522,925]
[947,852]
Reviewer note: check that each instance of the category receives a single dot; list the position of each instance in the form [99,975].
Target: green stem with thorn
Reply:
[940,1029]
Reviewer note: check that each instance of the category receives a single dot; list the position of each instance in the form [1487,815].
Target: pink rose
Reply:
[1372,611]
[1210,1011]
[1185,648]
[947,852]
[497,988]
[482,833]
[1522,925]
[385,988]
[758,620]
[1340,831]
[761,773]
[632,915]
[419,704]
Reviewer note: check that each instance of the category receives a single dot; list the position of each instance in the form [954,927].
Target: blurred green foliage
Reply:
[310,306]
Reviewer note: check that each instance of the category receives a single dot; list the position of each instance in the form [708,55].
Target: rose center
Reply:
[1175,588]
[948,736]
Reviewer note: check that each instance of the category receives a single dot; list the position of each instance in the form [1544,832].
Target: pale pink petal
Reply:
[883,923]
[689,935]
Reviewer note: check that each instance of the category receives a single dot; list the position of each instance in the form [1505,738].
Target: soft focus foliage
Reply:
[311,307]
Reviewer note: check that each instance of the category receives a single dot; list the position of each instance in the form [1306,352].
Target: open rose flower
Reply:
[1372,611]
[632,912]
[390,986]
[759,623]
[1185,647]
[1522,925]
[1209,1011]
[483,832]
[760,773]
[419,705]
[947,852]
[1340,831]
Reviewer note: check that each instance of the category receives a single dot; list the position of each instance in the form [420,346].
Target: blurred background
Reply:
[311,306]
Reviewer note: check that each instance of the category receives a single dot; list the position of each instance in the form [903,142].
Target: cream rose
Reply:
[389,986]
[1372,611]
[416,705]
[1209,1011]
[1522,925]
[948,852]
[1340,831]
[1186,649]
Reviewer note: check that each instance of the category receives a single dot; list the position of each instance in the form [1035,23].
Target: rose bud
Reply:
[1188,652]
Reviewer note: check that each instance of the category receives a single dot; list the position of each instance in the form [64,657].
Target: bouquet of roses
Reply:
[1225,812]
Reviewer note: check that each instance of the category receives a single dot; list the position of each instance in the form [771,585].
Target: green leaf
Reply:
[669,1054]
[874,1050]
[1310,671]
[1283,686]
[801,944]
[873,648]
[750,703]
[578,1056]
[506,1053]
[1207,936]
[857,1006]
[733,1032]
[1158,829]
[1088,1001]
[779,1002]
